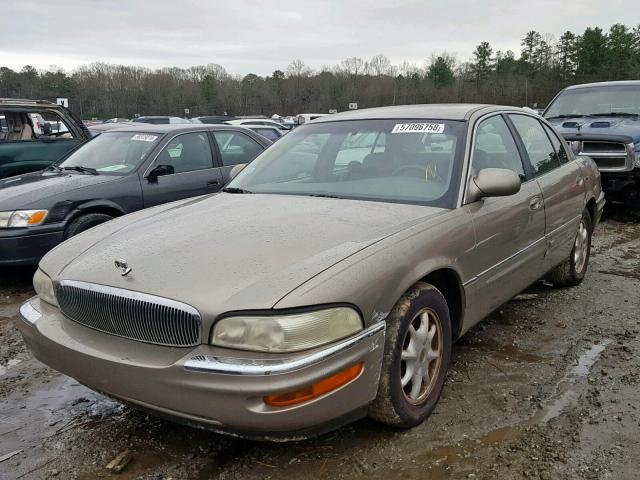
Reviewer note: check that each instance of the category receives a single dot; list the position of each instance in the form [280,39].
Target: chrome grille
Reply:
[608,155]
[128,314]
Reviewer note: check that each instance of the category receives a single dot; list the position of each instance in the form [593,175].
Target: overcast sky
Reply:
[259,36]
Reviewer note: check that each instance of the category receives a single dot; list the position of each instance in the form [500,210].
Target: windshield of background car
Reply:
[113,153]
[596,100]
[407,161]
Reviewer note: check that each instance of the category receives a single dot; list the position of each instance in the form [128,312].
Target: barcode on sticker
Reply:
[418,128]
[144,138]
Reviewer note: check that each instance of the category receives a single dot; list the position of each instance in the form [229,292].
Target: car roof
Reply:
[253,119]
[251,125]
[172,127]
[633,83]
[440,111]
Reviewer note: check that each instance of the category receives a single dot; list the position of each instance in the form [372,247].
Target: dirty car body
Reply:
[264,311]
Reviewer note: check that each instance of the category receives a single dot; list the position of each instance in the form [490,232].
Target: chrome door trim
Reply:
[503,261]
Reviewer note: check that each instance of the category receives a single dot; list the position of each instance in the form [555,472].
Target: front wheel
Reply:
[416,358]
[571,272]
[85,222]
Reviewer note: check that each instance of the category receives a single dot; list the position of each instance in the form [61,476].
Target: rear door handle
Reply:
[213,183]
[535,203]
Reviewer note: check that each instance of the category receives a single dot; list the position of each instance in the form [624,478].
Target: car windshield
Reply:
[113,153]
[408,161]
[618,99]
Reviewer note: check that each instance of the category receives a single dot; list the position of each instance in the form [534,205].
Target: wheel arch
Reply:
[97,206]
[447,280]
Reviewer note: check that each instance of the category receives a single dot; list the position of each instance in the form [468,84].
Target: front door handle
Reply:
[213,183]
[535,203]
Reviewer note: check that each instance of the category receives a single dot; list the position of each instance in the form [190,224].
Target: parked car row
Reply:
[326,282]
[124,169]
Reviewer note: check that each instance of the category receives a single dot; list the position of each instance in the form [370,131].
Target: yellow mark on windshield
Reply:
[430,171]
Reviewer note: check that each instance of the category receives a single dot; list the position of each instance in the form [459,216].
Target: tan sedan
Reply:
[329,280]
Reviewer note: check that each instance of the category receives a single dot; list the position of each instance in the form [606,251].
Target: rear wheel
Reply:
[416,358]
[571,272]
[85,222]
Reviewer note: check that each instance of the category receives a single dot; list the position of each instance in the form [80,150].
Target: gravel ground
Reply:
[548,387]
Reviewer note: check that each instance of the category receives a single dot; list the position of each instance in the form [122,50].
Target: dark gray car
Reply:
[118,172]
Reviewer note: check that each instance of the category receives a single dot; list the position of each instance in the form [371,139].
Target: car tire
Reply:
[418,338]
[571,272]
[85,222]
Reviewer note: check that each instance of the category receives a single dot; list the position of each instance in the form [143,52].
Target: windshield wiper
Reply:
[321,195]
[566,116]
[82,169]
[235,190]
[615,114]
[55,168]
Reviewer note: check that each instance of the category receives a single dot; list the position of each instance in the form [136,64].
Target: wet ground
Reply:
[547,388]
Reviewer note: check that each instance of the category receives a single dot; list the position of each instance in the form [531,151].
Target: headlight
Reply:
[286,333]
[637,162]
[43,286]
[22,218]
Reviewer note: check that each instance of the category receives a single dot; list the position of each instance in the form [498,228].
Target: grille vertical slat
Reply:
[128,314]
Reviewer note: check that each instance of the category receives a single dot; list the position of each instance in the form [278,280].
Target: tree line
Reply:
[531,77]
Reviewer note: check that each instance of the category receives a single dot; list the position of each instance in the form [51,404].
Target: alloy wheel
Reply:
[421,357]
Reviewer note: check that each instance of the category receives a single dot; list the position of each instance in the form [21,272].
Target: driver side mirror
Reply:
[46,128]
[493,182]
[160,171]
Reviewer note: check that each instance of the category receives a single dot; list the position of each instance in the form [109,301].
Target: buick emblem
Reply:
[124,267]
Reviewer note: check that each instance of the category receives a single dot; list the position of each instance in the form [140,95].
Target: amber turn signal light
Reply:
[317,389]
[37,217]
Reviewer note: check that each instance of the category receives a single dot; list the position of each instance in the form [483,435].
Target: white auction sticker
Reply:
[144,138]
[418,128]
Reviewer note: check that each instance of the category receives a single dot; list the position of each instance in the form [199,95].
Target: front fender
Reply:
[375,278]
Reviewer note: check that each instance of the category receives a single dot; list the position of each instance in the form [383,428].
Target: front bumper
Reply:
[614,182]
[26,247]
[206,386]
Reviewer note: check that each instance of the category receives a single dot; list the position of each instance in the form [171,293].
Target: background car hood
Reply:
[600,126]
[229,251]
[30,189]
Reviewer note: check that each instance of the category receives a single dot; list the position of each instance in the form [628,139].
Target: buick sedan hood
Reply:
[229,251]
[28,190]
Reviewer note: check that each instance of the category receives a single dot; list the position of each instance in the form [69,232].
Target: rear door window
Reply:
[187,152]
[543,156]
[268,133]
[236,147]
[563,156]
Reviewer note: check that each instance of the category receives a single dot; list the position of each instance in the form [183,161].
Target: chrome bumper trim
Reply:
[29,313]
[243,366]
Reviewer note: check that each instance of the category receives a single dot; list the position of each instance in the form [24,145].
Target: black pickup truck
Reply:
[602,121]
[36,133]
